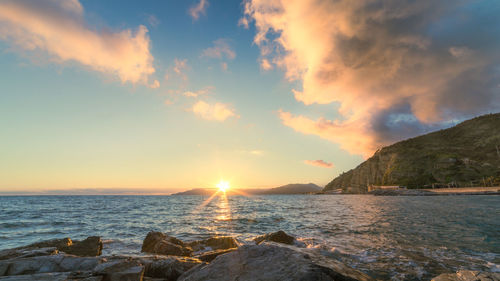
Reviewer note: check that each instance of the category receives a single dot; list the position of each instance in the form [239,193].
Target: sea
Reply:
[389,238]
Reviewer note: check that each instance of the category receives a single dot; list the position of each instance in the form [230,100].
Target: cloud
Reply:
[254,152]
[155,84]
[223,66]
[394,68]
[221,49]
[180,67]
[318,163]
[153,20]
[205,91]
[57,28]
[216,112]
[265,64]
[198,9]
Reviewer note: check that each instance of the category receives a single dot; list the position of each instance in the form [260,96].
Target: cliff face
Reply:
[464,155]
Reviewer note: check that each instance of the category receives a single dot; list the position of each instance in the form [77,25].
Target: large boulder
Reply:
[214,243]
[160,243]
[468,275]
[272,261]
[279,237]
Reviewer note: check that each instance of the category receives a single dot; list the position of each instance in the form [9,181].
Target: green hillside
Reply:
[464,155]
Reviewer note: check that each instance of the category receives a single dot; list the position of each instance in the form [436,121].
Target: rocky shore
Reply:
[274,256]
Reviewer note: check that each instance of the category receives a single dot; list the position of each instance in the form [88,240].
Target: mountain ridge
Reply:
[293,188]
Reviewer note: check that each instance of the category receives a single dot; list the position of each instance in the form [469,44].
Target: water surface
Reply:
[400,238]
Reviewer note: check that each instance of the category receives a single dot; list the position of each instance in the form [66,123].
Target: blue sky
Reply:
[82,107]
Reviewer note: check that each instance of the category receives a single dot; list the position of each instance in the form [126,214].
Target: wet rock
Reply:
[279,237]
[168,268]
[160,243]
[214,243]
[468,275]
[272,261]
[211,255]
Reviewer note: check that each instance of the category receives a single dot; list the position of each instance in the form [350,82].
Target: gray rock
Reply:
[120,269]
[168,268]
[279,237]
[272,261]
[46,264]
[90,247]
[214,243]
[160,243]
[468,275]
[211,255]
[57,276]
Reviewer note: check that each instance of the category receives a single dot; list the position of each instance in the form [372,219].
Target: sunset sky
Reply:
[162,96]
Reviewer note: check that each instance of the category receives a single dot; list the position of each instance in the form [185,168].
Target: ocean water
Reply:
[399,238]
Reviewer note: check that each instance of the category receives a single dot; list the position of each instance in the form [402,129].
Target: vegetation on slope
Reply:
[467,154]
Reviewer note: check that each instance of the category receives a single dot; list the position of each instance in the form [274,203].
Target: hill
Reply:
[295,188]
[467,154]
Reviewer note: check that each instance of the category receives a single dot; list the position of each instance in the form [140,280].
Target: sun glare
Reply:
[223,186]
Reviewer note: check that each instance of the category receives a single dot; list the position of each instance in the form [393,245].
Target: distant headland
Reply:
[295,188]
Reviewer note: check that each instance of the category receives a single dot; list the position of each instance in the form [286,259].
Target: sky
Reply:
[155,97]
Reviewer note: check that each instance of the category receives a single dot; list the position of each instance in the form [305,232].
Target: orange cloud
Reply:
[205,91]
[318,163]
[216,112]
[198,9]
[58,28]
[350,135]
[378,60]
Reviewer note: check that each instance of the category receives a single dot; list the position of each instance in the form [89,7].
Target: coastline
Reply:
[273,256]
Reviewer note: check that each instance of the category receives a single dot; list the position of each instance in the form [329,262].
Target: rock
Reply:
[211,255]
[272,261]
[58,276]
[45,264]
[215,243]
[27,252]
[168,268]
[90,247]
[160,243]
[120,269]
[279,237]
[467,275]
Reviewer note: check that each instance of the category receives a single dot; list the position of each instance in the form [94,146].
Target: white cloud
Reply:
[220,50]
[57,28]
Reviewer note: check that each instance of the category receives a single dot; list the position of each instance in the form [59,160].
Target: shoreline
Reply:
[273,256]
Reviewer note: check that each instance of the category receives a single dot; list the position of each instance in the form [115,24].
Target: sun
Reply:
[223,185]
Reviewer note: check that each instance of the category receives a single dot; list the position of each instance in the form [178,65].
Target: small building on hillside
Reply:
[376,187]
